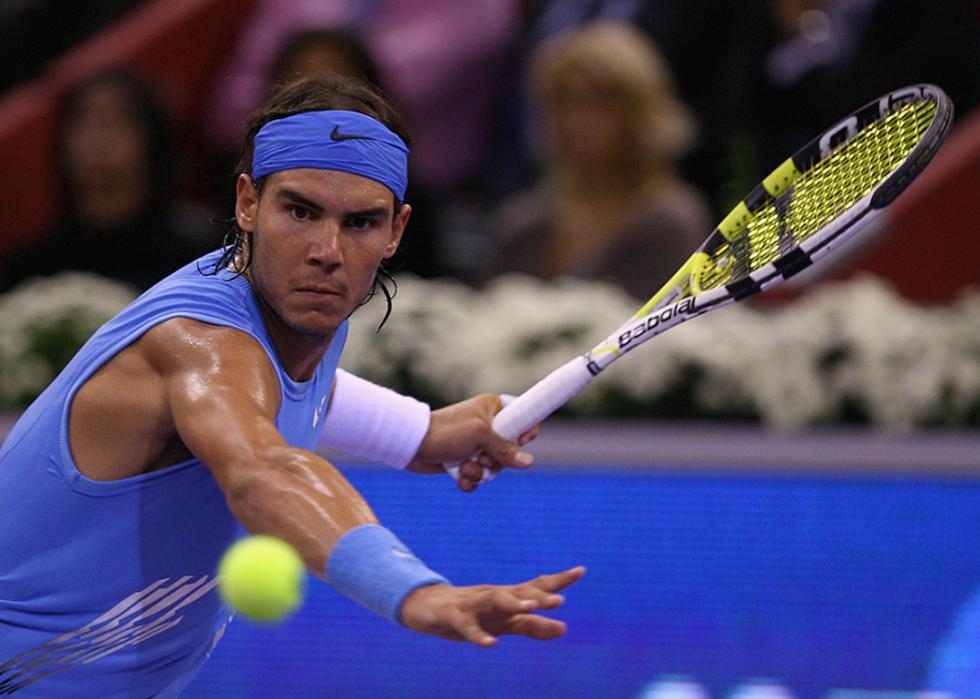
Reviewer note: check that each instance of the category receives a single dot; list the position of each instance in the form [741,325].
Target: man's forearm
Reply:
[301,498]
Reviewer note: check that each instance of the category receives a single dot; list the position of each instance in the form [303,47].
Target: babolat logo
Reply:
[650,322]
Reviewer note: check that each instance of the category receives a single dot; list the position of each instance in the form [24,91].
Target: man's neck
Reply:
[299,353]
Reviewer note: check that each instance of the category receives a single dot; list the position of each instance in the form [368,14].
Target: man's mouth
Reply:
[319,290]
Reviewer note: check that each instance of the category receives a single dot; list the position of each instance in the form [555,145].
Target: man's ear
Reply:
[398,229]
[246,203]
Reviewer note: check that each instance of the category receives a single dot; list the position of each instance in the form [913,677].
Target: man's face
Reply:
[318,238]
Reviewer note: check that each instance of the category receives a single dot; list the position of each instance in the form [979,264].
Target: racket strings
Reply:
[821,194]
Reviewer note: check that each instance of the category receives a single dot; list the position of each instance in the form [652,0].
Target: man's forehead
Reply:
[330,187]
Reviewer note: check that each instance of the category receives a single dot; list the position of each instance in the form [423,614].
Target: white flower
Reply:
[43,321]
[850,346]
[847,349]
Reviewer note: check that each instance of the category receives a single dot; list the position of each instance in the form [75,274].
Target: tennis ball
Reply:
[262,577]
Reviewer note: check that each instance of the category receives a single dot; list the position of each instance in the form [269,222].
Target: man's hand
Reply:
[462,430]
[480,613]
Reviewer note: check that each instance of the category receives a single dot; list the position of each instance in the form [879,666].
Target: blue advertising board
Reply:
[700,584]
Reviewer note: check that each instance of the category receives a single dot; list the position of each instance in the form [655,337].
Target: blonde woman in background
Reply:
[610,202]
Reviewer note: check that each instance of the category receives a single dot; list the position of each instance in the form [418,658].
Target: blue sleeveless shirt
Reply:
[107,588]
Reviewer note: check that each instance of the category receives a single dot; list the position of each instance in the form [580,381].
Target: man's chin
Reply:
[317,323]
[316,327]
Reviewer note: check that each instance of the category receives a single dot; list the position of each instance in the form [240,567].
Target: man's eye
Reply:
[361,223]
[301,213]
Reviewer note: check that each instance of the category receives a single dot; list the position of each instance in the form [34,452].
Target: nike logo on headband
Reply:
[335,135]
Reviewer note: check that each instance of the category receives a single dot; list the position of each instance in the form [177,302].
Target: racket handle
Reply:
[542,399]
[535,404]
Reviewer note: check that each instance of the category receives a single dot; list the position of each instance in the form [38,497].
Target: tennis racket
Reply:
[812,203]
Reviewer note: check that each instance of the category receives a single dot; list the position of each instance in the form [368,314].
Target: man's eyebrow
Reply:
[298,198]
[377,212]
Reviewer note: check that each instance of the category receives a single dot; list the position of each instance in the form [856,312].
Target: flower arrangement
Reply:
[847,352]
[43,323]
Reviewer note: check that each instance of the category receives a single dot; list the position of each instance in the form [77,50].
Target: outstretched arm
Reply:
[223,396]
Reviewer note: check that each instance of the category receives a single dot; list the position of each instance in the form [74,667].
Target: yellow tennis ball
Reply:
[262,577]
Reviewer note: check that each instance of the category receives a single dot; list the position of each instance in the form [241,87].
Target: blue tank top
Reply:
[107,588]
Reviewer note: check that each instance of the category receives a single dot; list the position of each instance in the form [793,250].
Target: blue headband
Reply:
[333,140]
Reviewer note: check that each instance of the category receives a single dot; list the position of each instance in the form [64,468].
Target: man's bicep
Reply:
[220,423]
[222,394]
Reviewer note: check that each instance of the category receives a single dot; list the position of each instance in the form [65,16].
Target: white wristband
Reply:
[373,422]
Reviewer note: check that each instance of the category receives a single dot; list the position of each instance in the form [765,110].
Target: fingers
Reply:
[482,613]
[531,626]
[494,452]
[511,602]
[498,452]
[471,470]
[502,611]
[502,452]
[498,607]
[534,626]
[556,581]
[529,597]
[470,476]
[506,399]
[529,436]
[470,630]
[467,485]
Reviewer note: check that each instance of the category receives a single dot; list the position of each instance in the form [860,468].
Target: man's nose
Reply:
[324,247]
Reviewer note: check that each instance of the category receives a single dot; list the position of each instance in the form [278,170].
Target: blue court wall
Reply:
[812,584]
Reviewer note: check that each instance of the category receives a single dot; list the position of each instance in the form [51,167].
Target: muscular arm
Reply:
[217,389]
[223,395]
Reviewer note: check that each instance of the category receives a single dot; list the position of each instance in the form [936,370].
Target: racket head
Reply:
[816,198]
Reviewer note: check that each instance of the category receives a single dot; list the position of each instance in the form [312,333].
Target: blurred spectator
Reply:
[439,61]
[510,165]
[326,50]
[609,202]
[119,214]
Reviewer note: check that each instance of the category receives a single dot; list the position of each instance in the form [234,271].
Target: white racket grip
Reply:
[542,399]
[535,404]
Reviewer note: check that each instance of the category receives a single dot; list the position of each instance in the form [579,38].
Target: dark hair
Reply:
[311,94]
[147,109]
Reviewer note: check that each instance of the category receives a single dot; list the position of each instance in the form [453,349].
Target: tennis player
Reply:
[197,408]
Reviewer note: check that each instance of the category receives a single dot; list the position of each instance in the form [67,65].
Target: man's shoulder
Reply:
[201,290]
[184,343]
[205,271]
